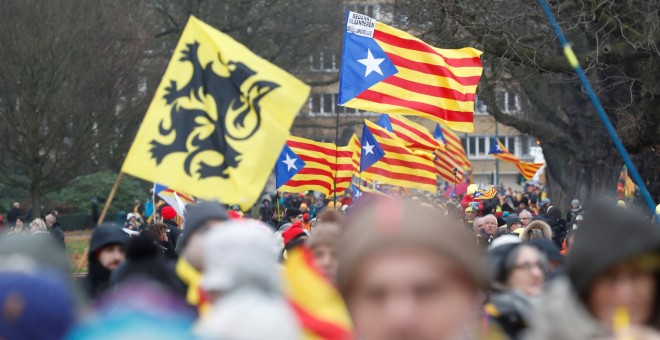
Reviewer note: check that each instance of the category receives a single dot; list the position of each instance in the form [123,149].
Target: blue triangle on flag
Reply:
[287,166]
[438,134]
[385,122]
[494,147]
[371,150]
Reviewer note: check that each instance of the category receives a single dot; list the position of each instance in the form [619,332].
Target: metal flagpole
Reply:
[573,61]
[336,156]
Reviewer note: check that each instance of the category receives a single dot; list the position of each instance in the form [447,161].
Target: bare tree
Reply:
[617,44]
[71,90]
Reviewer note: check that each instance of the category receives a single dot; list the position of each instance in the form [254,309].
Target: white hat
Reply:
[504,239]
[129,216]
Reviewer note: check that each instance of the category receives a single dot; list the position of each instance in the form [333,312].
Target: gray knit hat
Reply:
[197,215]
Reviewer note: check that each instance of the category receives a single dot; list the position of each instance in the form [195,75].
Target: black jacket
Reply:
[559,228]
[56,231]
[12,215]
[173,231]
[96,281]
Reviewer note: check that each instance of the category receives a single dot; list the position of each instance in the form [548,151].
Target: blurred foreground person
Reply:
[36,297]
[242,279]
[613,287]
[106,253]
[323,243]
[200,219]
[407,273]
[517,275]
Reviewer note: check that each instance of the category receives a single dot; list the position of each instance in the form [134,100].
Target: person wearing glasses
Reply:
[517,276]
[525,218]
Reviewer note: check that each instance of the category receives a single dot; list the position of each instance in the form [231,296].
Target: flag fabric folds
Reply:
[177,200]
[390,71]
[453,145]
[321,163]
[414,135]
[399,166]
[499,151]
[450,162]
[372,152]
[317,303]
[485,194]
[218,120]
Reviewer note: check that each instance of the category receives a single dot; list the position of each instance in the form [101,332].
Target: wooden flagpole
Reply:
[110,197]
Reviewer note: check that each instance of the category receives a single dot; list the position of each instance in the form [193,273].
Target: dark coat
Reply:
[57,233]
[98,277]
[173,231]
[13,214]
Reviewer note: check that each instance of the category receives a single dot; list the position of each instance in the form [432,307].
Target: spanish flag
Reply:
[218,120]
[390,71]
[317,303]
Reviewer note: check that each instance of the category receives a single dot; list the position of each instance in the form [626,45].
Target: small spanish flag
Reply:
[317,303]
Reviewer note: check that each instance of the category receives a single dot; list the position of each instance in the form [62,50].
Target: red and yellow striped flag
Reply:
[400,166]
[317,303]
[416,136]
[453,146]
[528,169]
[390,71]
[323,161]
[444,166]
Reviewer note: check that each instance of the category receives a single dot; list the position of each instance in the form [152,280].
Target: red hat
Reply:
[234,214]
[168,213]
[294,231]
[305,217]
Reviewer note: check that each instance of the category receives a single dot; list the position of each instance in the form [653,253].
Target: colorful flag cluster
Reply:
[177,200]
[390,71]
[499,151]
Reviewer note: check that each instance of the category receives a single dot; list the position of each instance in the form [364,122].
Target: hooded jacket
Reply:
[545,229]
[98,276]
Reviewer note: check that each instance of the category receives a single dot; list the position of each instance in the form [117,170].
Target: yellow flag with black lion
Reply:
[218,120]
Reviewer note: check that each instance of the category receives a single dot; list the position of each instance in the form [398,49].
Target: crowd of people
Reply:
[513,266]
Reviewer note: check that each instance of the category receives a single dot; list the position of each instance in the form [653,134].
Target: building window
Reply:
[326,104]
[324,61]
[526,143]
[508,102]
[370,10]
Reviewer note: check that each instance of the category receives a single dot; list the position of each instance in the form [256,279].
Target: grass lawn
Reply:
[77,243]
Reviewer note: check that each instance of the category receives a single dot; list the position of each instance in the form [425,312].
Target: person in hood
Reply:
[200,219]
[169,219]
[553,217]
[613,285]
[407,272]
[574,211]
[517,275]
[243,282]
[537,230]
[106,253]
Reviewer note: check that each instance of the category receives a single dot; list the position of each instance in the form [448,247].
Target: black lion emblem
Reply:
[191,122]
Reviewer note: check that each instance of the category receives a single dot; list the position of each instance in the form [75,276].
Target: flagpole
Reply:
[336,156]
[110,197]
[575,64]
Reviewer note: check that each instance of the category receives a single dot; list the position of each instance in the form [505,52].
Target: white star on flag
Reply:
[368,149]
[371,63]
[290,163]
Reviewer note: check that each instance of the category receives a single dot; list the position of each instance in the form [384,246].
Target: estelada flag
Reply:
[390,71]
[218,120]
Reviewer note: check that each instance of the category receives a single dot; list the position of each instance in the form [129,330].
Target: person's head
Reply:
[293,215]
[107,246]
[535,230]
[38,226]
[16,205]
[554,212]
[136,202]
[575,204]
[478,224]
[168,213]
[518,266]
[50,219]
[303,208]
[323,244]
[612,271]
[200,218]
[470,213]
[578,220]
[513,222]
[158,231]
[294,236]
[490,224]
[19,223]
[130,218]
[406,272]
[525,218]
